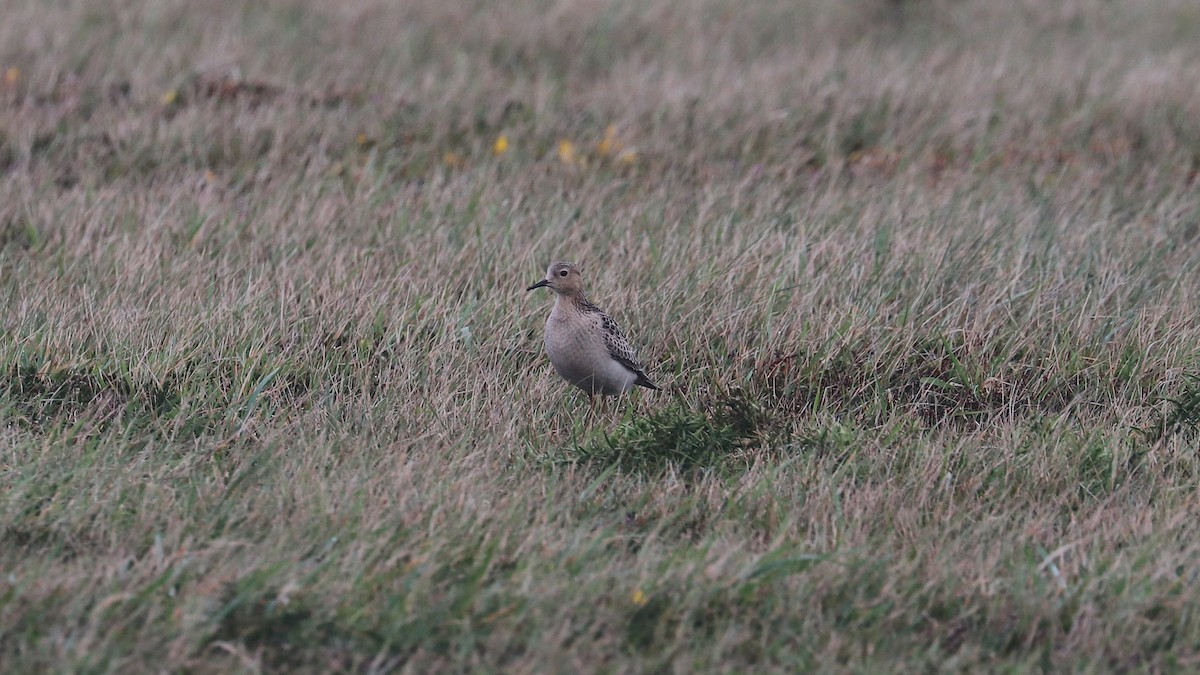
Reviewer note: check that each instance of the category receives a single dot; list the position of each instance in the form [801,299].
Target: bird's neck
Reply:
[570,302]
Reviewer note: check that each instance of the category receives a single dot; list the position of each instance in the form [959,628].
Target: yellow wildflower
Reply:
[500,146]
[566,152]
[169,97]
[638,598]
[609,144]
[12,76]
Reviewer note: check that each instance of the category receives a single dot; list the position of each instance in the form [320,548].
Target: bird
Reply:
[585,345]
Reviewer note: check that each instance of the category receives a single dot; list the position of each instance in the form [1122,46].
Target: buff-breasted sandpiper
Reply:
[585,345]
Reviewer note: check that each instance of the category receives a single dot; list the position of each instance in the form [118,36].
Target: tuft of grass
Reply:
[719,435]
[1181,414]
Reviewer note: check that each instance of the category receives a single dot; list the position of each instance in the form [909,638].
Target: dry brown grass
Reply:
[919,280]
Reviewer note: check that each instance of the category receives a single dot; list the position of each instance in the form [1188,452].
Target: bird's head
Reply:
[562,278]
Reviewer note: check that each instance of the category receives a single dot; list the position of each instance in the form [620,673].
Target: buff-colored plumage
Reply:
[585,345]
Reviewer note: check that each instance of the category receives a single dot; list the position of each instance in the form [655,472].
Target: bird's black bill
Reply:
[539,284]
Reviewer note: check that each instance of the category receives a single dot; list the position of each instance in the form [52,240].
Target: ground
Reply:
[918,280]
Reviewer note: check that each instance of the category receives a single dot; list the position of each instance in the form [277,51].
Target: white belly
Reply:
[581,357]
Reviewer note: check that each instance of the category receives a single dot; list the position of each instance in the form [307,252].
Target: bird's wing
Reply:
[618,347]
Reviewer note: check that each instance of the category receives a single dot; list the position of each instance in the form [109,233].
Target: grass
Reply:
[918,280]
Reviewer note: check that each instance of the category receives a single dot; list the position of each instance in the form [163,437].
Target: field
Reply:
[920,281]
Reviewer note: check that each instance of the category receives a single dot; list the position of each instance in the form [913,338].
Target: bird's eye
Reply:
[562,273]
